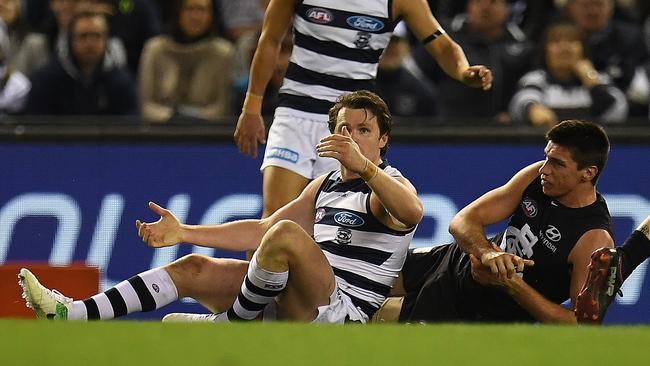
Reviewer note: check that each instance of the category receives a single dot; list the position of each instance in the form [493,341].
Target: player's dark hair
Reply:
[587,142]
[369,101]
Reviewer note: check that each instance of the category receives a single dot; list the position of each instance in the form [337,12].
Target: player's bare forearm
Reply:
[469,234]
[237,235]
[537,305]
[450,56]
[398,198]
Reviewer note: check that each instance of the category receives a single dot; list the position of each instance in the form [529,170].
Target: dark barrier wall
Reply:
[78,202]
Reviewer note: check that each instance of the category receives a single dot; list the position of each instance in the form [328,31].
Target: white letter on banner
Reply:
[637,208]
[57,205]
[442,209]
[108,222]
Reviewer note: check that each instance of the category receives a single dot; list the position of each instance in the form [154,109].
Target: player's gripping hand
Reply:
[478,76]
[504,264]
[249,132]
[343,148]
[162,233]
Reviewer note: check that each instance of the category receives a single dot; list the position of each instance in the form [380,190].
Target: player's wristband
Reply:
[369,172]
[252,104]
[433,36]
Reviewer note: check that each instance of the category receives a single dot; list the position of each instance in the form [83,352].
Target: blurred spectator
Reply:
[404,93]
[14,86]
[567,86]
[526,16]
[16,26]
[84,80]
[38,48]
[483,35]
[615,48]
[188,71]
[133,22]
[241,18]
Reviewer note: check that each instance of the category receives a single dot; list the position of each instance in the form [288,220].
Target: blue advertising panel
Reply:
[78,202]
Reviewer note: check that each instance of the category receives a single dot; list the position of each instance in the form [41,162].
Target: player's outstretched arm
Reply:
[447,53]
[236,235]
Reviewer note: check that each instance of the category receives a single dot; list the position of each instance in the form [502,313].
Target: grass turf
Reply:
[117,343]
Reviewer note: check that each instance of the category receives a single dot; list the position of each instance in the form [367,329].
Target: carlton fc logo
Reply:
[529,206]
[364,23]
[319,15]
[348,219]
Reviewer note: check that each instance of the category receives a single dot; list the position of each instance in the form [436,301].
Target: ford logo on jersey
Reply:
[348,219]
[365,23]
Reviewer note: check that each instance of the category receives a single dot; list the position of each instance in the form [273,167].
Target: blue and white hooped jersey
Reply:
[366,255]
[337,46]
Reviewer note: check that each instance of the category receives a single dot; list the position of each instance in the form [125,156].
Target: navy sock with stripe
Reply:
[260,288]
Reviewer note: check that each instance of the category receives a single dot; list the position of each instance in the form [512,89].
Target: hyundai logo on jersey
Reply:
[348,219]
[319,15]
[553,234]
[364,23]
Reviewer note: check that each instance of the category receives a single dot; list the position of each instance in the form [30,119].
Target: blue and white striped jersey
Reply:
[365,254]
[337,46]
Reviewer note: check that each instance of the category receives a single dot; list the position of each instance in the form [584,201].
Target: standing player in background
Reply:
[337,46]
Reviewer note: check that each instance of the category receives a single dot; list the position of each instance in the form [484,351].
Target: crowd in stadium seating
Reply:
[160,59]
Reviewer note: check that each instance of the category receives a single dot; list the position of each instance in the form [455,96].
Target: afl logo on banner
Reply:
[319,15]
[529,206]
[348,219]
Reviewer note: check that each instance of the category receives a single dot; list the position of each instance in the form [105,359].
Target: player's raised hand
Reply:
[478,76]
[162,233]
[504,264]
[249,132]
[343,148]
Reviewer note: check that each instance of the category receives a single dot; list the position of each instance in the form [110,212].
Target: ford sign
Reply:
[348,219]
[365,23]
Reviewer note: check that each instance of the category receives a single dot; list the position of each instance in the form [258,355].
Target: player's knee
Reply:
[282,238]
[190,265]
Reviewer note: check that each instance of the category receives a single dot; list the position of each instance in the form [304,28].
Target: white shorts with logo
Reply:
[292,141]
[340,310]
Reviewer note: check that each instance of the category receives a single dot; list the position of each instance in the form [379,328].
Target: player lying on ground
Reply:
[556,219]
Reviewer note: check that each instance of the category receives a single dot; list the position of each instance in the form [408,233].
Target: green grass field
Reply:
[117,343]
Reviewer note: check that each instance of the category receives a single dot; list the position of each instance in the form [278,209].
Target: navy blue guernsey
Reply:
[545,231]
[337,46]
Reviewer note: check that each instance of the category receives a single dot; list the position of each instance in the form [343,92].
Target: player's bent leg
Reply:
[286,248]
[280,186]
[213,282]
